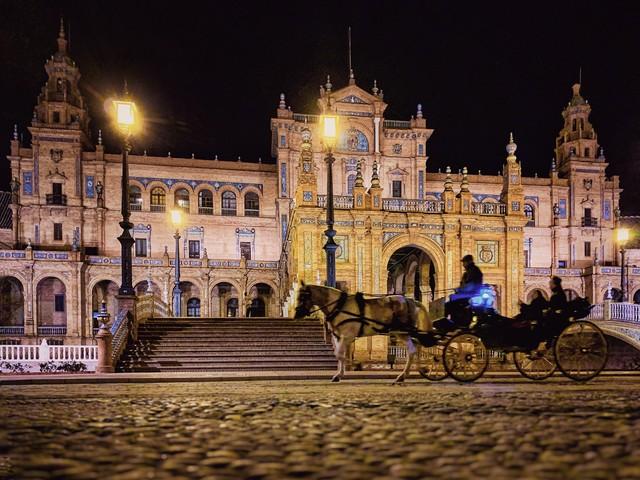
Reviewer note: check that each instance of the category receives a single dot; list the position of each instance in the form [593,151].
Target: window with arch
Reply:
[351,180]
[251,205]
[530,213]
[229,205]
[182,200]
[193,307]
[158,200]
[205,202]
[135,198]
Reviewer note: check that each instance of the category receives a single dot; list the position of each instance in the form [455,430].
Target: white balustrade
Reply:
[619,312]
[31,356]
[412,205]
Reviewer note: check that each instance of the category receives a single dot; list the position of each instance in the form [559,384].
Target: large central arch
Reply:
[421,243]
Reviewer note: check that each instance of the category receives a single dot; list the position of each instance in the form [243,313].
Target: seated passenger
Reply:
[469,286]
[558,300]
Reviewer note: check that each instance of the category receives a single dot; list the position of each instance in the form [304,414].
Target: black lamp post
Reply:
[330,129]
[622,235]
[176,218]
[125,113]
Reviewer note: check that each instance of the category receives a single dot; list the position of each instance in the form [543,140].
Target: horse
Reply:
[351,316]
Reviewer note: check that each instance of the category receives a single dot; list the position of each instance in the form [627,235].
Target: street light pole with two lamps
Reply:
[329,137]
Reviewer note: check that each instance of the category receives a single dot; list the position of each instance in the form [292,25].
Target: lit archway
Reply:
[189,290]
[51,299]
[222,305]
[261,300]
[410,272]
[11,306]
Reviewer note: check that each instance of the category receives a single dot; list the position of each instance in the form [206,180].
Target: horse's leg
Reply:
[411,352]
[338,347]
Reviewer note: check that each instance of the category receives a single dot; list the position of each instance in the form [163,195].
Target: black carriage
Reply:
[538,343]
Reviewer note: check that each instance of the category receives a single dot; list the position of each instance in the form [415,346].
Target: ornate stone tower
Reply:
[53,178]
[589,207]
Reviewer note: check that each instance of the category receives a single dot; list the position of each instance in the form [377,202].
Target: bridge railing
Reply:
[617,311]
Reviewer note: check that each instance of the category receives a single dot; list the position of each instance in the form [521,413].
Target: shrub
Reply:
[48,367]
[12,367]
[72,367]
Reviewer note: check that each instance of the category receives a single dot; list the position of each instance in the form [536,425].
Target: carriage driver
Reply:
[469,284]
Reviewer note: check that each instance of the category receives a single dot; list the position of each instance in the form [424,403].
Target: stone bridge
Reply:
[618,320]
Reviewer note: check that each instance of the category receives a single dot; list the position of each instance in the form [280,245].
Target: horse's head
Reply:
[305,302]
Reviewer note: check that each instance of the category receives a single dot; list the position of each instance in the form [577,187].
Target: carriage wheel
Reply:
[465,357]
[537,364]
[581,351]
[432,363]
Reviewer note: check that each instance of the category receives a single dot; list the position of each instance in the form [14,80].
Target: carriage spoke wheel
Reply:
[537,364]
[581,351]
[432,363]
[465,357]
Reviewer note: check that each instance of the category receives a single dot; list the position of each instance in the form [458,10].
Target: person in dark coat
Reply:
[472,276]
[558,300]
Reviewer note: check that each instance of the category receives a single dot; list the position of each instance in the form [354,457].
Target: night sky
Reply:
[208,75]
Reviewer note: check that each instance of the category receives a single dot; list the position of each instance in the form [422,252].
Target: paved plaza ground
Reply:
[358,429]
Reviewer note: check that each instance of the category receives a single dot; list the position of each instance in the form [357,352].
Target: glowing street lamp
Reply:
[176,220]
[329,139]
[622,237]
[126,118]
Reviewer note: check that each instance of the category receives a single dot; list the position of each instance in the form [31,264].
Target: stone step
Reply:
[234,348]
[150,369]
[232,355]
[250,365]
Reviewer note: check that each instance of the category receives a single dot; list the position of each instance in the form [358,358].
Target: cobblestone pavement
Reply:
[353,430]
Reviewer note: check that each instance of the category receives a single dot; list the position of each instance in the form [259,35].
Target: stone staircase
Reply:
[227,344]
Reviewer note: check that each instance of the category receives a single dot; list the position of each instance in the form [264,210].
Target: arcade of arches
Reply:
[411,272]
[11,302]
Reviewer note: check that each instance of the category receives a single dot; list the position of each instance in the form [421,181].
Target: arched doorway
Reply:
[224,300]
[189,291]
[614,295]
[51,295]
[536,291]
[410,271]
[11,306]
[261,298]
[104,290]
[636,297]
[571,294]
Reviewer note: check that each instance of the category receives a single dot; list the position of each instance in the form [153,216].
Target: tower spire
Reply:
[352,78]
[62,41]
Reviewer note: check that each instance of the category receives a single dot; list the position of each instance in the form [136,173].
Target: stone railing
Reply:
[399,124]
[52,330]
[489,208]
[31,356]
[187,262]
[412,205]
[341,202]
[620,312]
[148,306]
[12,330]
[301,117]
[120,334]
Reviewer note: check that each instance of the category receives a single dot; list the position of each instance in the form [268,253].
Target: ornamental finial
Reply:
[464,186]
[375,180]
[99,136]
[282,105]
[15,131]
[359,180]
[375,88]
[448,182]
[511,146]
[328,85]
[419,112]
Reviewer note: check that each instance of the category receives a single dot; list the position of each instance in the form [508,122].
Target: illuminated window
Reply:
[251,205]
[158,200]
[182,199]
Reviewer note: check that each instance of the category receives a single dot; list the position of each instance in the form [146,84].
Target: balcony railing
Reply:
[412,205]
[205,210]
[589,222]
[401,124]
[158,208]
[135,207]
[52,330]
[342,202]
[56,199]
[10,330]
[299,117]
[489,208]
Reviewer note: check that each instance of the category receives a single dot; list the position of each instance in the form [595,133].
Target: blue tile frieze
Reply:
[169,182]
